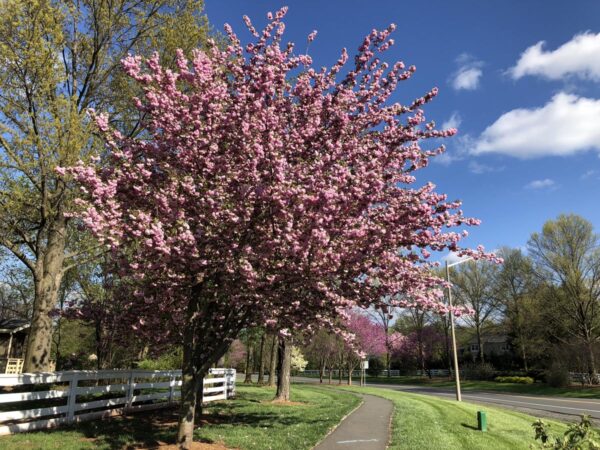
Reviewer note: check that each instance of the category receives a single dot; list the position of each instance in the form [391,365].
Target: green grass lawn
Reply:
[250,421]
[532,389]
[422,421]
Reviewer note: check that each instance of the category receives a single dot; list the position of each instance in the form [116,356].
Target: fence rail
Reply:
[574,377]
[45,400]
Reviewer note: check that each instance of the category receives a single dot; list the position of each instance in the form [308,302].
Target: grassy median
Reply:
[250,422]
[516,388]
[574,391]
[422,421]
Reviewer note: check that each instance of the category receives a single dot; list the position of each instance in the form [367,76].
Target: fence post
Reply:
[172,387]
[130,391]
[72,399]
[230,384]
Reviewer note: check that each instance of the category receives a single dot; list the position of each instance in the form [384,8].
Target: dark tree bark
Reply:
[204,343]
[273,365]
[261,359]
[47,276]
[248,377]
[285,368]
[479,344]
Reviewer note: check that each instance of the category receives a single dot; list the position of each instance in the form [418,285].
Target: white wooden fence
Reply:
[44,400]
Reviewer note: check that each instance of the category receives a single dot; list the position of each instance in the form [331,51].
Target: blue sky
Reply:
[528,113]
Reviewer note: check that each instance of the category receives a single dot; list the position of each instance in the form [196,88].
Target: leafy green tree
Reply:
[57,60]
[567,259]
[516,286]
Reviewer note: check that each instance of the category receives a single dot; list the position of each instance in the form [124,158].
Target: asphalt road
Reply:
[562,408]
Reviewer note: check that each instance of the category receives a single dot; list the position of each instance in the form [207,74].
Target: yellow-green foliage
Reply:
[520,380]
[167,361]
[58,59]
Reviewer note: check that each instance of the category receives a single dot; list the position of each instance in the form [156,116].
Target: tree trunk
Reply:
[388,363]
[248,377]
[350,368]
[192,381]
[322,371]
[448,351]
[340,374]
[273,365]
[421,353]
[47,278]
[479,344]
[285,366]
[261,364]
[591,361]
[524,356]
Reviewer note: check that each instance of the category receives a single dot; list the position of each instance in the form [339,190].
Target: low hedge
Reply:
[520,380]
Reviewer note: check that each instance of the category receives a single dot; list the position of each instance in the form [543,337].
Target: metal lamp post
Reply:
[454,351]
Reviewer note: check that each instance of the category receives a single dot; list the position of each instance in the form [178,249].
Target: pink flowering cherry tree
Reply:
[264,190]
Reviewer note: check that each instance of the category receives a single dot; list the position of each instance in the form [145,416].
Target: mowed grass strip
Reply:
[422,421]
[251,421]
[575,391]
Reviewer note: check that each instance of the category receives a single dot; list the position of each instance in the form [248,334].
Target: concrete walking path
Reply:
[367,428]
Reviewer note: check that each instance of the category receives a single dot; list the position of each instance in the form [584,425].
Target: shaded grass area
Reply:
[422,421]
[250,421]
[515,388]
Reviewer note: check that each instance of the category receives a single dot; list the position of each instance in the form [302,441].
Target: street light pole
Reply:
[454,351]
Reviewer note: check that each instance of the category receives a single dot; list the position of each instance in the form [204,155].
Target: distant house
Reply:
[13,336]
[493,344]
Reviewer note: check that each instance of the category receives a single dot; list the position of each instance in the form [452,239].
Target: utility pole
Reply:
[454,350]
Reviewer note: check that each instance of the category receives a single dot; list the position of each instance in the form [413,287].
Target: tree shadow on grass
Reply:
[144,429]
[151,429]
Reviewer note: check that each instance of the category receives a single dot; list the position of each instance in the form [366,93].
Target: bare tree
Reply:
[385,316]
[474,287]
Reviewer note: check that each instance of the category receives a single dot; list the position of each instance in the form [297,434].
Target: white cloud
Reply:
[452,257]
[453,122]
[566,125]
[579,57]
[546,183]
[589,174]
[479,168]
[468,74]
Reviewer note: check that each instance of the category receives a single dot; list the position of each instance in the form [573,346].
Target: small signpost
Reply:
[364,365]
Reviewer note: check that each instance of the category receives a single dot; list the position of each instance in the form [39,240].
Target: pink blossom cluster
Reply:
[274,191]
